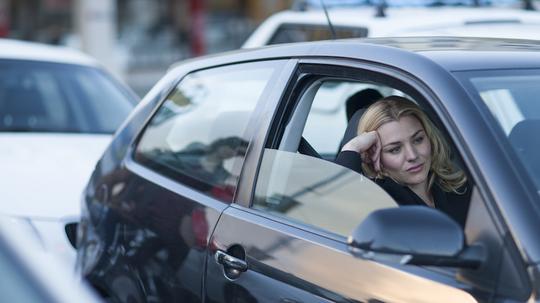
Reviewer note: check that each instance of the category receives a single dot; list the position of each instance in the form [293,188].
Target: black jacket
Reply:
[454,205]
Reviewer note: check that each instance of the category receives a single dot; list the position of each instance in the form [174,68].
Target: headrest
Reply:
[522,135]
[361,99]
[527,146]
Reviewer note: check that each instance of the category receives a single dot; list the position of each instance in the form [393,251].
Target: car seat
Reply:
[527,147]
[358,102]
[361,99]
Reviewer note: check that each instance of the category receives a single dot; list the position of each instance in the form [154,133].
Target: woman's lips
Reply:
[416,168]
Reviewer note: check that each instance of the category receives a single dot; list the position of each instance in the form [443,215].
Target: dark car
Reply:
[222,185]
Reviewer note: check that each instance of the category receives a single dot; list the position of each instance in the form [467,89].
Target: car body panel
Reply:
[292,265]
[27,158]
[158,235]
[430,50]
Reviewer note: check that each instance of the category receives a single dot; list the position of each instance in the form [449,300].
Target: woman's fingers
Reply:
[369,146]
[361,143]
[376,153]
[379,151]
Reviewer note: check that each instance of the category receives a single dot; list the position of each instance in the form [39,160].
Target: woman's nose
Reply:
[410,153]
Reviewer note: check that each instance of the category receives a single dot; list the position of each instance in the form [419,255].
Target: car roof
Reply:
[498,22]
[469,53]
[22,50]
[410,53]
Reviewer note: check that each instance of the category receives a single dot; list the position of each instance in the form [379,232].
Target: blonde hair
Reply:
[392,108]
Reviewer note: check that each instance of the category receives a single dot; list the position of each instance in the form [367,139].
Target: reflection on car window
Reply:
[197,135]
[316,192]
[52,97]
[512,98]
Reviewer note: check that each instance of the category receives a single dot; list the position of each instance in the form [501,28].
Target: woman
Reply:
[400,149]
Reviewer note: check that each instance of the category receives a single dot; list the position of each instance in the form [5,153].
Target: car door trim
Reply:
[173,185]
[260,122]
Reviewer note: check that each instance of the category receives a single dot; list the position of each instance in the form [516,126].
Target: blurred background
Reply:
[137,40]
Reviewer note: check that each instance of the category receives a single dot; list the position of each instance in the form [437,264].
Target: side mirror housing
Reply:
[415,235]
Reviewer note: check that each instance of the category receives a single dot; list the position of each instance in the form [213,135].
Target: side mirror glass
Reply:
[413,235]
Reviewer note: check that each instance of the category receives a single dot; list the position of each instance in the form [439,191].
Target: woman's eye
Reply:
[394,150]
[418,140]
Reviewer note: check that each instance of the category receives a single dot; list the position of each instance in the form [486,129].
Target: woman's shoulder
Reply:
[459,198]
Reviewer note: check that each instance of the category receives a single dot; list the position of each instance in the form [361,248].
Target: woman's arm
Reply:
[364,147]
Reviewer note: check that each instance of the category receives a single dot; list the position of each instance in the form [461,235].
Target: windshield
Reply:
[52,97]
[513,99]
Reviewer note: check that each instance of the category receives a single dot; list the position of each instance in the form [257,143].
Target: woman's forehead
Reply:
[399,130]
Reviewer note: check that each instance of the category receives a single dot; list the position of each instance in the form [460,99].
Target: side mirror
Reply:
[415,235]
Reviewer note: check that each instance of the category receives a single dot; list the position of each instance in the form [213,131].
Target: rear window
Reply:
[53,97]
[287,33]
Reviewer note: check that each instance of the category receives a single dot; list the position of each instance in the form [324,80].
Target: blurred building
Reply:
[137,39]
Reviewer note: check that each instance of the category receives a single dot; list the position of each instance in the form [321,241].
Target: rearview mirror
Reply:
[415,235]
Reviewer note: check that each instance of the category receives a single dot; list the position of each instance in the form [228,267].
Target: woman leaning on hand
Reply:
[404,153]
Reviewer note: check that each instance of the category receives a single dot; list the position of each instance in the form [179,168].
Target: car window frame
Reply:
[301,80]
[174,184]
[399,79]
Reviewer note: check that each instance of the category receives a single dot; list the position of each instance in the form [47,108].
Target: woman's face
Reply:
[406,151]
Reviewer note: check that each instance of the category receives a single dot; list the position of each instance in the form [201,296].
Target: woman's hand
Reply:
[368,145]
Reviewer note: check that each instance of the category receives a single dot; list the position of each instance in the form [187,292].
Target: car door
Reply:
[183,172]
[287,238]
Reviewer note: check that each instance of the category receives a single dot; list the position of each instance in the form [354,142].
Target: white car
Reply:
[362,21]
[58,111]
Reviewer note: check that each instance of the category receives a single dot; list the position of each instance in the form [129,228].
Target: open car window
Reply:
[325,107]
[308,187]
[300,178]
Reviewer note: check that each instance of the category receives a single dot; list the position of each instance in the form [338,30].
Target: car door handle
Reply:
[230,261]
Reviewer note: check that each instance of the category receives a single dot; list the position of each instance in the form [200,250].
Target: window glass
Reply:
[316,192]
[288,33]
[311,190]
[53,97]
[198,134]
[512,98]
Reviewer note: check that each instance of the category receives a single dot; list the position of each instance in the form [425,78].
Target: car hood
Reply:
[43,175]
